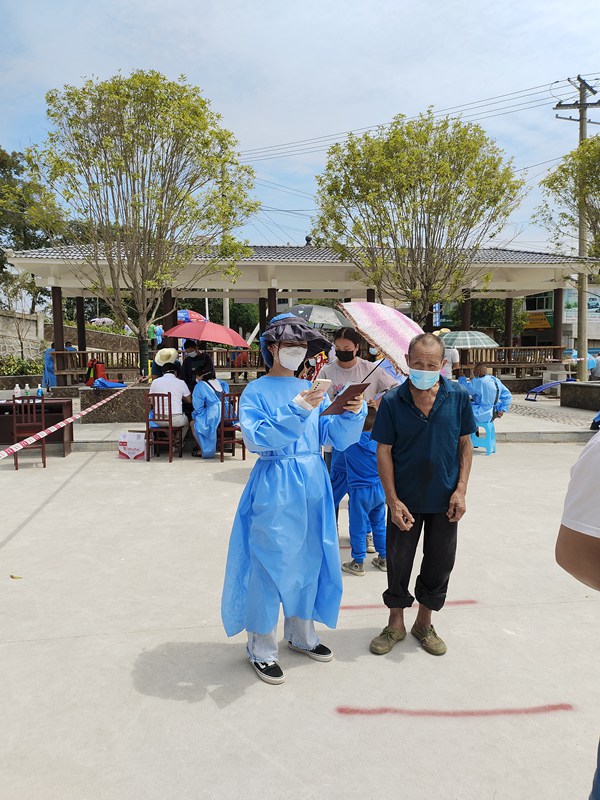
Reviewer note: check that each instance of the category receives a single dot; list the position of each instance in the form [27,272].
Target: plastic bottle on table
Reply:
[17,390]
[40,391]
[26,390]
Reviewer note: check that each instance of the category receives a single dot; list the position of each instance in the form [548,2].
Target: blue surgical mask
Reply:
[423,378]
[373,351]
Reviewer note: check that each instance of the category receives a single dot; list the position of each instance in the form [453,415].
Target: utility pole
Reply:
[582,105]
[225,291]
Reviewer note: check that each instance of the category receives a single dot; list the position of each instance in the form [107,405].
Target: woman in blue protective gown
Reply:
[49,376]
[206,415]
[284,548]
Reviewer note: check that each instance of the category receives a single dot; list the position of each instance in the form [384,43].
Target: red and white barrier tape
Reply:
[53,428]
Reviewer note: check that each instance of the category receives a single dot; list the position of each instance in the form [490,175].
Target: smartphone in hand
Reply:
[320,385]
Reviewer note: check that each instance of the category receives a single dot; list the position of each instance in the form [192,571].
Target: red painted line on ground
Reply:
[480,712]
[380,605]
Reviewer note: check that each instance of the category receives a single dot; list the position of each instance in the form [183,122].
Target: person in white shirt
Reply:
[344,366]
[452,364]
[578,543]
[170,383]
[347,367]
[451,355]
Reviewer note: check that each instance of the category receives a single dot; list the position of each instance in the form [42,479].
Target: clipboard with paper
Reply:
[348,393]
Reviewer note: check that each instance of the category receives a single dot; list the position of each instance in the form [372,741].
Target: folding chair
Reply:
[28,418]
[228,432]
[160,404]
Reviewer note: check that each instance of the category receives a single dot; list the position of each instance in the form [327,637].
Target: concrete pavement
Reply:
[118,681]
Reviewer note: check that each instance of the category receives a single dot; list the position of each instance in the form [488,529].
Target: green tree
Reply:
[21,211]
[572,186]
[412,203]
[489,313]
[144,166]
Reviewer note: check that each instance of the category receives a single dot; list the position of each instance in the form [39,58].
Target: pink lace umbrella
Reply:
[385,328]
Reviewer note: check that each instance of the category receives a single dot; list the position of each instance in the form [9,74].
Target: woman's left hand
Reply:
[354,405]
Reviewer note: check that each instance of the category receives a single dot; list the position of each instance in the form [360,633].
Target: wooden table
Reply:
[55,410]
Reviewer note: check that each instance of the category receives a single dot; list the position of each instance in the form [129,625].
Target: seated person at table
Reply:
[487,393]
[48,376]
[169,382]
[195,356]
[206,399]
[168,355]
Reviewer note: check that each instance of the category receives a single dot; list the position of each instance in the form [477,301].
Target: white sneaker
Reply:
[370,545]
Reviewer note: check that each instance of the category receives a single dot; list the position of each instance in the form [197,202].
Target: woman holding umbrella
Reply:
[283,548]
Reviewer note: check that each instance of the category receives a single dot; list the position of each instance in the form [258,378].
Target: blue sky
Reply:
[282,72]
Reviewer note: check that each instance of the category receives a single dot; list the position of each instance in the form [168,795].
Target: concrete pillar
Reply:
[465,311]
[262,313]
[508,321]
[170,318]
[80,317]
[59,335]
[225,308]
[428,324]
[557,333]
[272,302]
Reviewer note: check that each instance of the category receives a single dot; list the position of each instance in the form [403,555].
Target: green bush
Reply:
[14,365]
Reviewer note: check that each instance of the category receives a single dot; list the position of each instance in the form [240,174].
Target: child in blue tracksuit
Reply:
[366,505]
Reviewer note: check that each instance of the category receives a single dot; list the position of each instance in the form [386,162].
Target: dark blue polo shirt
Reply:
[425,450]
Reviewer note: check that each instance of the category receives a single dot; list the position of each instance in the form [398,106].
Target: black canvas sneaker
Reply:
[269,672]
[319,653]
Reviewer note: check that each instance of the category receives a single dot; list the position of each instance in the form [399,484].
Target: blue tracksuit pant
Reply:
[367,512]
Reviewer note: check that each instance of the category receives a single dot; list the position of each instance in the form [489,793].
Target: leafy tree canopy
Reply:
[153,180]
[411,204]
[23,204]
[572,186]
[489,313]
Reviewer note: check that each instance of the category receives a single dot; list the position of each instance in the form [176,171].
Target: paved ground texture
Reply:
[118,683]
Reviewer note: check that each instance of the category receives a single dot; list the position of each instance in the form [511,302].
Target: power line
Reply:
[464,106]
[318,144]
[323,149]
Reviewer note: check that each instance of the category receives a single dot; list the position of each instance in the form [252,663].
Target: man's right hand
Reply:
[401,516]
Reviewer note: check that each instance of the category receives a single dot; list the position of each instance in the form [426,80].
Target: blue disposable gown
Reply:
[207,415]
[48,376]
[284,547]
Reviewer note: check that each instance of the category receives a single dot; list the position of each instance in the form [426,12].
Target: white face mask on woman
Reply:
[291,357]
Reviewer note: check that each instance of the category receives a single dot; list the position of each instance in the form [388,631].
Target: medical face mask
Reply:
[423,378]
[373,351]
[192,354]
[345,355]
[291,357]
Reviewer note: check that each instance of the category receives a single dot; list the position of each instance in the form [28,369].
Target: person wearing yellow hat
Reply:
[168,355]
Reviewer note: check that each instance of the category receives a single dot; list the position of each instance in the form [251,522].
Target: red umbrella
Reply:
[205,331]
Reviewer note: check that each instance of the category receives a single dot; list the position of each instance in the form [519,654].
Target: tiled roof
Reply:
[304,254]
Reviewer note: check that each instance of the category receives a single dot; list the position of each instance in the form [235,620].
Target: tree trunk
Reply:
[143,347]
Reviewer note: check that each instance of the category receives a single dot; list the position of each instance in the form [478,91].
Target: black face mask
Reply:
[344,355]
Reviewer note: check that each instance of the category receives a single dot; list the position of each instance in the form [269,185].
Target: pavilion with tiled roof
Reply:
[269,272]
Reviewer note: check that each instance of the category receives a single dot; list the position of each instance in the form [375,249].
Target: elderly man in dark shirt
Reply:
[423,429]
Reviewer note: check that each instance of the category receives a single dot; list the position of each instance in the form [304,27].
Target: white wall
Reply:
[29,328]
